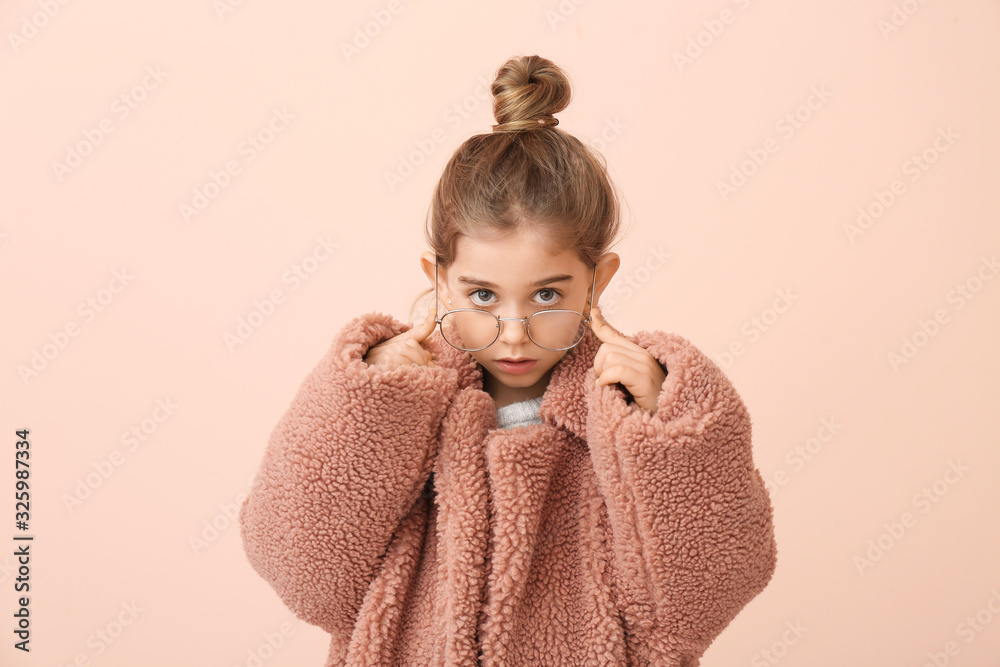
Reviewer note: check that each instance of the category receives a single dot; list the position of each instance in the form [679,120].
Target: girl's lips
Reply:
[516,367]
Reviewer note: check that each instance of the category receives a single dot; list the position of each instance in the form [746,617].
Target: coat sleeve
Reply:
[342,467]
[691,521]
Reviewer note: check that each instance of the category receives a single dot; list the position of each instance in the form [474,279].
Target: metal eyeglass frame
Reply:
[524,320]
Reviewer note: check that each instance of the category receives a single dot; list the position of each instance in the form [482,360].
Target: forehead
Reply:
[513,259]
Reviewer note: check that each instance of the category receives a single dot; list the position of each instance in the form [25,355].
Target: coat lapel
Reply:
[462,497]
[460,482]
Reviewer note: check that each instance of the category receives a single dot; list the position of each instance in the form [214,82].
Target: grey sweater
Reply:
[521,413]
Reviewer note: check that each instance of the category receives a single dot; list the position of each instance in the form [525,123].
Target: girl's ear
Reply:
[607,266]
[427,265]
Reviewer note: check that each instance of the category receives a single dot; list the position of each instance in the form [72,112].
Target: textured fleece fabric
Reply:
[391,511]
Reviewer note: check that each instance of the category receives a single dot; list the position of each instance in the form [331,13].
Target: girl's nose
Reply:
[512,332]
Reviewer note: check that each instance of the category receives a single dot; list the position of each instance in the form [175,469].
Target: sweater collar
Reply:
[564,402]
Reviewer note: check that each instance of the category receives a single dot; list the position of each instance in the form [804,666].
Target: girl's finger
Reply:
[612,353]
[425,328]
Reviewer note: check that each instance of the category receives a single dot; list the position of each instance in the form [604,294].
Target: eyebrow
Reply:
[561,278]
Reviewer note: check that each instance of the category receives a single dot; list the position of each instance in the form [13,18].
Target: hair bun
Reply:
[527,91]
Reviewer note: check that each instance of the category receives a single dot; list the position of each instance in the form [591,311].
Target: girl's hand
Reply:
[620,360]
[405,348]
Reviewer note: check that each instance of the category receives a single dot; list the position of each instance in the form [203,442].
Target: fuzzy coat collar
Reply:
[564,401]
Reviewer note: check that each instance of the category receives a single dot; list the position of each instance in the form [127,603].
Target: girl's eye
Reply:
[485,298]
[551,294]
[480,292]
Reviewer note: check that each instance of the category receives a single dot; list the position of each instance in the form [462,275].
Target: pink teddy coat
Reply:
[391,511]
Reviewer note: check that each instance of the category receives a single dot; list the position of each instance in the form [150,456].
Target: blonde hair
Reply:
[525,172]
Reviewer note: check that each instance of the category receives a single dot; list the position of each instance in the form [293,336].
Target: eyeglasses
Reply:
[555,329]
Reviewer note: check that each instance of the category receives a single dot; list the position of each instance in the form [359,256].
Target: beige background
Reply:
[870,572]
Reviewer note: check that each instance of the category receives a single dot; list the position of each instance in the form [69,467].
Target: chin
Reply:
[526,380]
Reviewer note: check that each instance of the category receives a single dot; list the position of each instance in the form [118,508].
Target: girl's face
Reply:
[515,275]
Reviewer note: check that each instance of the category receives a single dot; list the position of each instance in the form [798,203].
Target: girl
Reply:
[514,482]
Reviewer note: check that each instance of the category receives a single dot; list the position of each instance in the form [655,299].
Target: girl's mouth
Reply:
[516,367]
